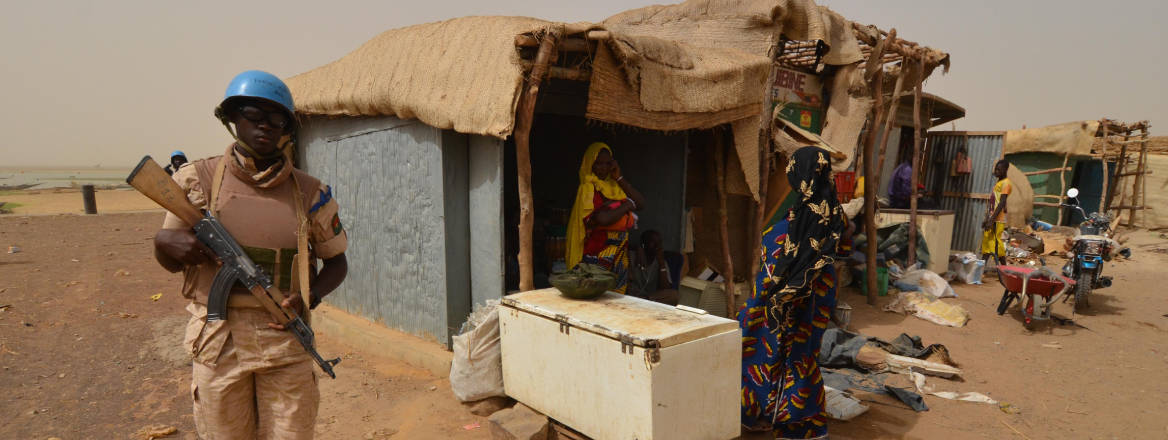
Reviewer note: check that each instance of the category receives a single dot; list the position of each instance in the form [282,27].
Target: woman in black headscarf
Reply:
[791,304]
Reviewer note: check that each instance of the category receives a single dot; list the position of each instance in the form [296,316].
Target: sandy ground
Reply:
[68,200]
[87,354]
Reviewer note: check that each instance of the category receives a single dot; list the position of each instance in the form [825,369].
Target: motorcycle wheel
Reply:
[1082,290]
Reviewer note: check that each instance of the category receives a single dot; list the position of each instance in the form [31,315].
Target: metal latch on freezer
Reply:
[652,347]
[565,327]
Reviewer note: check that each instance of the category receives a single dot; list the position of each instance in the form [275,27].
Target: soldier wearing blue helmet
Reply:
[177,159]
[251,378]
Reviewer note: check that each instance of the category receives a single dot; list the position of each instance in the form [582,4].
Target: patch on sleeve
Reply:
[336,223]
[325,196]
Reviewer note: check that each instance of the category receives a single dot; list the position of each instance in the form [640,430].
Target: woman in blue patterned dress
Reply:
[791,304]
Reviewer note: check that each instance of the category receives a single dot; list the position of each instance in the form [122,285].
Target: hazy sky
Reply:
[88,83]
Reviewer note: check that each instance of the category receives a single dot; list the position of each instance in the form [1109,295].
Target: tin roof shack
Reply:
[1105,159]
[959,175]
[453,147]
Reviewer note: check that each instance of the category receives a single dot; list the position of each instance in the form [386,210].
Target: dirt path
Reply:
[86,353]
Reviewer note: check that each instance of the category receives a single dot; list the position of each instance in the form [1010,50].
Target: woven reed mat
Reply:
[461,74]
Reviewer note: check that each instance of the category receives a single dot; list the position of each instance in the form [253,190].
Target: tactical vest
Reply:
[263,220]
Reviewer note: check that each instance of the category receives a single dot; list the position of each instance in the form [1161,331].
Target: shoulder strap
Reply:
[216,183]
[302,256]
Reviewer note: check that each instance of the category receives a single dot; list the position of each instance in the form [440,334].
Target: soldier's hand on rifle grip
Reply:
[181,245]
[292,302]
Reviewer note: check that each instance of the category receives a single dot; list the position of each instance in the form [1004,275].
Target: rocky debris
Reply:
[518,423]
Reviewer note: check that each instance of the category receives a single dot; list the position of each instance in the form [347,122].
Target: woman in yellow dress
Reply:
[603,215]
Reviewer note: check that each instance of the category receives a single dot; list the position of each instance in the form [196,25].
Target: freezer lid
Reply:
[624,318]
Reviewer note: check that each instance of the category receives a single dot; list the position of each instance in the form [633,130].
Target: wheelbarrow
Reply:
[1037,289]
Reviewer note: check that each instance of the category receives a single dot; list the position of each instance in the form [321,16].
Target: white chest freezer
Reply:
[622,368]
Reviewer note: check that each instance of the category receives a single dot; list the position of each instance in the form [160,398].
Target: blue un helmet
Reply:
[258,84]
[177,153]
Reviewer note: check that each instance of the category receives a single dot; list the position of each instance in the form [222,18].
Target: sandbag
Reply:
[476,372]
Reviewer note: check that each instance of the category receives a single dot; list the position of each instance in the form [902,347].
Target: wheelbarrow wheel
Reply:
[1004,304]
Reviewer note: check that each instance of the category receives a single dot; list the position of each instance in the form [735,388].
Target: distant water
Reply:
[46,178]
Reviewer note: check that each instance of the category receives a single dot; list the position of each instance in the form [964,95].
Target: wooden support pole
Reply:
[766,122]
[871,179]
[720,182]
[525,116]
[1063,188]
[1141,179]
[1117,191]
[1053,204]
[916,164]
[1103,160]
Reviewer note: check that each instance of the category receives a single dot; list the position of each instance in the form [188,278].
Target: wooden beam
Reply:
[871,179]
[1052,170]
[1134,173]
[1131,207]
[1053,204]
[1044,196]
[524,119]
[566,44]
[720,163]
[561,72]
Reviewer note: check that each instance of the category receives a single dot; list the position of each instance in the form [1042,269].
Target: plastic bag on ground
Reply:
[967,267]
[476,372]
[929,282]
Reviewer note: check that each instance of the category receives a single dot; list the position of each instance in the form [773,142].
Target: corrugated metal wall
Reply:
[389,177]
[984,150]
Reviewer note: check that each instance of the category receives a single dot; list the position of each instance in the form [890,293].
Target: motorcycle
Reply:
[1092,246]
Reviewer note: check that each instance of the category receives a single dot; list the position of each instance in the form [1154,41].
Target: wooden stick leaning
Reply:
[871,177]
[524,118]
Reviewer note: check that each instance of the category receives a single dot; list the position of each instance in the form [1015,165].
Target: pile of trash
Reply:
[854,362]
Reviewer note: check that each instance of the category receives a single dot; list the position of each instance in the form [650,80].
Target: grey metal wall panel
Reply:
[457,220]
[984,151]
[387,177]
[485,181]
[891,150]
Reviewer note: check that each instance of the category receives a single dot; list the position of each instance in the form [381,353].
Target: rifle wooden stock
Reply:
[153,182]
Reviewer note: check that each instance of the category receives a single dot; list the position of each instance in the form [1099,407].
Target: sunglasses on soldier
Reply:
[257,115]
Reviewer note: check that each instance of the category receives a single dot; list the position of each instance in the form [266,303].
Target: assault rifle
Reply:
[234,265]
